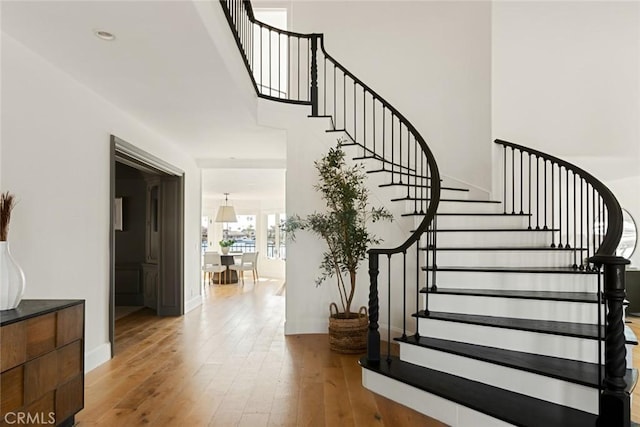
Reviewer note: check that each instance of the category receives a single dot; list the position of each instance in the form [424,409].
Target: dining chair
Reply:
[212,264]
[248,262]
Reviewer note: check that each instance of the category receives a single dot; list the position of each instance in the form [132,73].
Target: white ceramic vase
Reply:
[11,279]
[225,249]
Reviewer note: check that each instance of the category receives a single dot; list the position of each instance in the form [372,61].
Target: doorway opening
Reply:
[146,236]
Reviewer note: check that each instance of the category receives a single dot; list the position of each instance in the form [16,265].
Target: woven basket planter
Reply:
[348,335]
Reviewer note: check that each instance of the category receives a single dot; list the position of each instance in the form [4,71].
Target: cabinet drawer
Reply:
[12,386]
[13,345]
[41,335]
[70,325]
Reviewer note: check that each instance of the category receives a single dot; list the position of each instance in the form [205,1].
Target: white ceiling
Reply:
[163,68]
[243,184]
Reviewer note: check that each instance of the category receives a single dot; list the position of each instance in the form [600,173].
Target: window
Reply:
[276,237]
[204,232]
[244,234]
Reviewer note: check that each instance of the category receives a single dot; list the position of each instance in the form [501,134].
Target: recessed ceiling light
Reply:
[104,35]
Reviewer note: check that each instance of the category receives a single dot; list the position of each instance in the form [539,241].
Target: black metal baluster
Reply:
[314,76]
[344,101]
[560,206]
[389,308]
[364,121]
[261,61]
[427,273]
[404,295]
[417,295]
[530,210]
[522,185]
[575,222]
[270,69]
[392,149]
[384,134]
[373,109]
[309,68]
[298,69]
[513,182]
[415,179]
[400,144]
[355,129]
[279,62]
[434,287]
[545,194]
[553,199]
[408,157]
[567,245]
[424,182]
[504,182]
[595,221]
[582,224]
[335,112]
[537,193]
[587,229]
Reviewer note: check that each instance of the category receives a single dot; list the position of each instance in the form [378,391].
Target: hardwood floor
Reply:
[228,363]
[634,323]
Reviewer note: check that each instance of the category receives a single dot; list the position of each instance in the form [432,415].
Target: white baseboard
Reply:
[97,356]
[317,326]
[192,303]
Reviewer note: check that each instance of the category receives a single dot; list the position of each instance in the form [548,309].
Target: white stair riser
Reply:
[511,339]
[446,411]
[473,207]
[527,383]
[482,221]
[514,258]
[517,281]
[465,239]
[559,311]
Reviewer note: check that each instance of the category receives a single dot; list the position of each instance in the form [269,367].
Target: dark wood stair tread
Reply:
[506,248]
[407,184]
[574,371]
[541,270]
[569,329]
[587,297]
[471,214]
[426,199]
[506,405]
[492,230]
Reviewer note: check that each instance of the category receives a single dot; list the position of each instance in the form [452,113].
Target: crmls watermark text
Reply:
[30,418]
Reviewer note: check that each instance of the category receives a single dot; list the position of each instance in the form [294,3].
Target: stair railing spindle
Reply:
[404,296]
[537,193]
[529,192]
[553,212]
[388,307]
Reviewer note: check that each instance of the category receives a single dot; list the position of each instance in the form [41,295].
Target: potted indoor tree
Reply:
[343,227]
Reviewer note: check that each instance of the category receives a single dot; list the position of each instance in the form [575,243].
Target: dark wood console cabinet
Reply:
[42,362]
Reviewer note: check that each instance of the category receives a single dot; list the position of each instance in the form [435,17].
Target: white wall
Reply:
[55,158]
[430,59]
[566,80]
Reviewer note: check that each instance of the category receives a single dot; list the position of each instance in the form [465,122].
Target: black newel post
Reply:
[373,336]
[615,402]
[314,75]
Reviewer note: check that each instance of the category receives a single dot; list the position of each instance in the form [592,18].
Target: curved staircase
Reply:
[504,312]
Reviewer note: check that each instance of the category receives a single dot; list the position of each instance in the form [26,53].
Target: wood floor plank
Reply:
[228,363]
